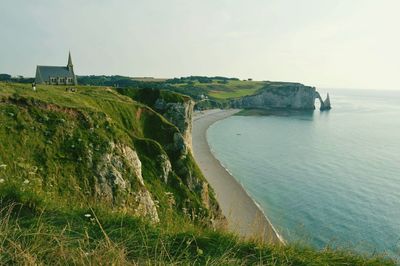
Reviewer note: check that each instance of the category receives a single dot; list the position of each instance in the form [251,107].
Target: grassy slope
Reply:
[44,137]
[223,95]
[150,96]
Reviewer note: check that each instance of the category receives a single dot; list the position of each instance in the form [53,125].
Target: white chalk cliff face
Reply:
[179,114]
[120,183]
[295,96]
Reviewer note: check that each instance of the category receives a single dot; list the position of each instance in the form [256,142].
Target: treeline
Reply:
[200,79]
[19,79]
[187,84]
[122,81]
[115,81]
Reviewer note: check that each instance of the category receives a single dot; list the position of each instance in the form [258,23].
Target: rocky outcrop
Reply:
[291,96]
[145,206]
[180,114]
[166,167]
[326,105]
[119,182]
[205,196]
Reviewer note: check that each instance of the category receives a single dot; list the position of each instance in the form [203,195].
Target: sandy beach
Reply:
[243,215]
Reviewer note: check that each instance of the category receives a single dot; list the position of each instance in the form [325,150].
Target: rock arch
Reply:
[325,105]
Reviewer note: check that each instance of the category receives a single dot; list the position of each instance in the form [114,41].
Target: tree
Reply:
[5,77]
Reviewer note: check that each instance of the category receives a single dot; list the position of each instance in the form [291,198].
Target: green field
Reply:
[229,90]
[224,95]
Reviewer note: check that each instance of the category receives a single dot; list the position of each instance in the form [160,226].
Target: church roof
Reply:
[45,72]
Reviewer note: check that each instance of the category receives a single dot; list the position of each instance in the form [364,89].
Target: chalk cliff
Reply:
[178,113]
[287,96]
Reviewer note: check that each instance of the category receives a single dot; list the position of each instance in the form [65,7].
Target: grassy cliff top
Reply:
[86,97]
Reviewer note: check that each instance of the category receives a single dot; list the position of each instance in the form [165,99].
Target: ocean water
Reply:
[323,178]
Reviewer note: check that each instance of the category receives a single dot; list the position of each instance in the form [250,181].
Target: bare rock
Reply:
[180,114]
[205,197]
[166,167]
[146,206]
[119,182]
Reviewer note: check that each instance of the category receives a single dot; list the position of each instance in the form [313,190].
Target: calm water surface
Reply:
[330,178]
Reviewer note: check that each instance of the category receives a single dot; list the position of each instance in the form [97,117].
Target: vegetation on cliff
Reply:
[96,177]
[97,146]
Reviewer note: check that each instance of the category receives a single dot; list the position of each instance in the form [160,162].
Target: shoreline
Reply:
[244,215]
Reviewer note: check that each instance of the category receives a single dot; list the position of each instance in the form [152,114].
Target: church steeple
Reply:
[70,65]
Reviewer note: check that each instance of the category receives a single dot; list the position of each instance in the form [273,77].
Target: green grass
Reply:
[94,236]
[223,95]
[230,89]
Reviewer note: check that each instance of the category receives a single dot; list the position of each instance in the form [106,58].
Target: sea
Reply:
[325,179]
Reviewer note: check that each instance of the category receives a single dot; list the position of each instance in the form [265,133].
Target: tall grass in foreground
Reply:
[33,236]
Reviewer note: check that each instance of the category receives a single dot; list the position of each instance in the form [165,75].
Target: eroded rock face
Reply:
[119,182]
[179,114]
[132,157]
[294,96]
[179,144]
[146,206]
[166,167]
[325,105]
[205,196]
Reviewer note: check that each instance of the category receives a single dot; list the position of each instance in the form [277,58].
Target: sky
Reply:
[323,43]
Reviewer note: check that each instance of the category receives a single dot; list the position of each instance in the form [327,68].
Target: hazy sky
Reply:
[328,43]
